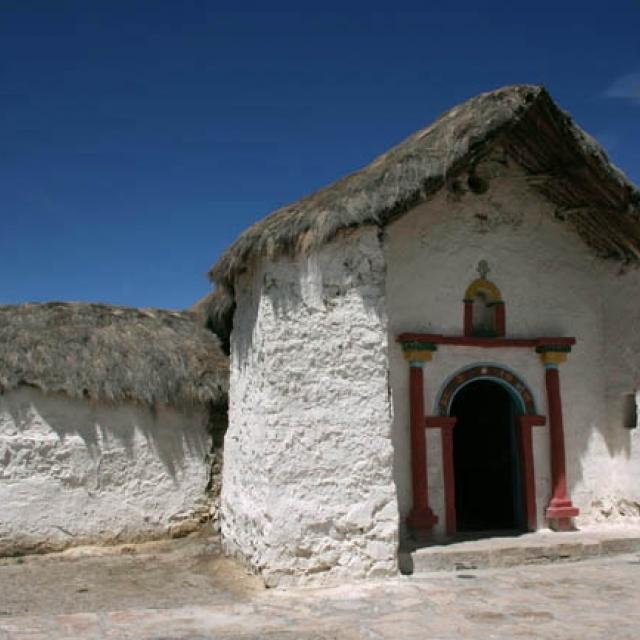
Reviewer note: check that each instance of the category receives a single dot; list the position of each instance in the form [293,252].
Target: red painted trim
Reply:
[528,473]
[440,422]
[470,341]
[421,517]
[446,424]
[501,319]
[468,318]
[560,508]
[533,420]
[449,481]
[482,371]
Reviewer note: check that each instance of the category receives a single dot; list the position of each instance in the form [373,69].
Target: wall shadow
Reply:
[173,436]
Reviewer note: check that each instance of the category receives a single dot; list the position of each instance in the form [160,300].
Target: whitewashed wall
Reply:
[552,286]
[308,489]
[72,472]
[622,332]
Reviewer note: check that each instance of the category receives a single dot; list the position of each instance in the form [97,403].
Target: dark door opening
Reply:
[486,463]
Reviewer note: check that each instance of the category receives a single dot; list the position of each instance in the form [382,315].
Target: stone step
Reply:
[533,548]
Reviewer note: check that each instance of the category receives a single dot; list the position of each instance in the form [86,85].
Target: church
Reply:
[443,342]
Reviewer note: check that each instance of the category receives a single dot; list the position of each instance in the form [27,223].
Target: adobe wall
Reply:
[308,488]
[72,472]
[552,286]
[622,366]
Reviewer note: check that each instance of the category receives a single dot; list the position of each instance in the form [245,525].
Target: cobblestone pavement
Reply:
[170,596]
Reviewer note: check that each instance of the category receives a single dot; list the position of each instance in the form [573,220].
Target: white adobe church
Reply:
[443,342]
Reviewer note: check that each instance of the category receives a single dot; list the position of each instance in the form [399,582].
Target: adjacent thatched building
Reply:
[105,420]
[397,338]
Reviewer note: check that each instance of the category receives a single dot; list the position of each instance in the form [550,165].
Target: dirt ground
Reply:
[164,574]
[186,590]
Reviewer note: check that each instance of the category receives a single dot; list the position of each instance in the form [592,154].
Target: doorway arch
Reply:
[513,383]
[489,480]
[487,473]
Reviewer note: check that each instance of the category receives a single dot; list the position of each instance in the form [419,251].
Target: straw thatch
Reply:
[215,312]
[569,167]
[110,353]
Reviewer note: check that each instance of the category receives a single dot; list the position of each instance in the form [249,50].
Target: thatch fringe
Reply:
[215,312]
[111,353]
[571,170]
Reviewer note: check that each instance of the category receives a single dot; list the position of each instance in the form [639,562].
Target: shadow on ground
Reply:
[158,575]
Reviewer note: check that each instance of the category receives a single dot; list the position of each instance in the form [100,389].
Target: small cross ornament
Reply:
[483,269]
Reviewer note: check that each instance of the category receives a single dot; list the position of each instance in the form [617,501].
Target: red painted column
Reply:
[501,320]
[446,424]
[528,472]
[450,482]
[560,509]
[421,517]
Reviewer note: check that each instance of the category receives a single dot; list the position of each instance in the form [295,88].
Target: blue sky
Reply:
[139,137]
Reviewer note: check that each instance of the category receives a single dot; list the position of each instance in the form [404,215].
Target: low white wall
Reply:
[552,286]
[72,472]
[308,489]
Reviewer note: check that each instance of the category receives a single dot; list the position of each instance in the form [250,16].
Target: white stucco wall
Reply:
[622,366]
[308,489]
[552,286]
[72,472]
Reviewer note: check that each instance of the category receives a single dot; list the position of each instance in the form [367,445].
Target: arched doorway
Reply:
[488,485]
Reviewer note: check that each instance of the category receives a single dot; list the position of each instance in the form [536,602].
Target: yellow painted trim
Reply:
[422,355]
[553,357]
[486,286]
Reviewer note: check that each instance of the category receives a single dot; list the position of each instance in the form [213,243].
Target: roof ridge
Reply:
[524,117]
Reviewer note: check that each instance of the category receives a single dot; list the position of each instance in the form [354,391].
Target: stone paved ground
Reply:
[184,590]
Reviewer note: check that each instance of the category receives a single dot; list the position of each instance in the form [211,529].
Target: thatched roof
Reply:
[111,353]
[215,312]
[571,170]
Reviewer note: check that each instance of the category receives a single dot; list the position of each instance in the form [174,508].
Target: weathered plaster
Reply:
[551,284]
[622,366]
[72,472]
[307,482]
